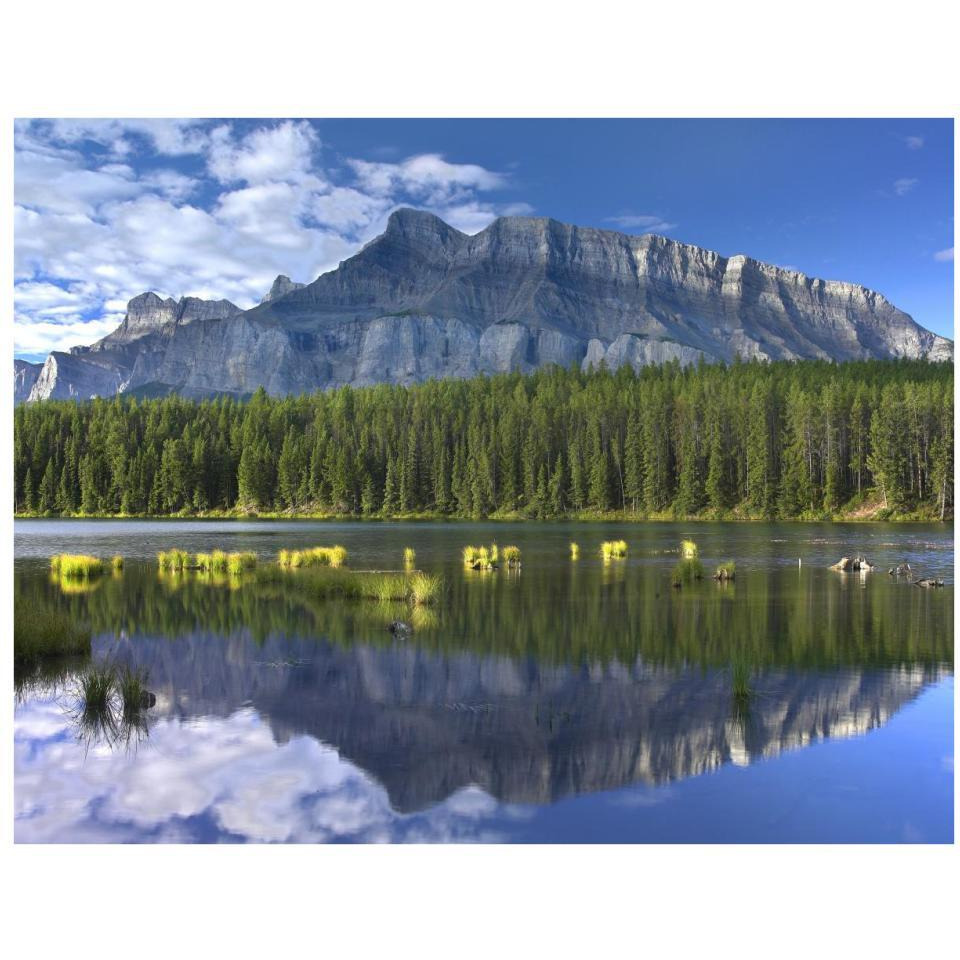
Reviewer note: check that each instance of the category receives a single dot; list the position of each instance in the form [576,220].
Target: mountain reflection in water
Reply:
[280,719]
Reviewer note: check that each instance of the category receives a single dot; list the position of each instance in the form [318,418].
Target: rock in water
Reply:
[424,300]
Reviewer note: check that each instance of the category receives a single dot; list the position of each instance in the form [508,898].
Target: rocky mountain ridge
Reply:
[424,300]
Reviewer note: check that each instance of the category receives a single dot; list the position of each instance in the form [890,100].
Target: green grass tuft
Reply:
[725,571]
[689,550]
[613,549]
[71,566]
[409,557]
[173,559]
[511,556]
[687,571]
[116,563]
[574,551]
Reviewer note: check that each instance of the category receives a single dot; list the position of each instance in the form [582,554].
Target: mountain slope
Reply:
[424,300]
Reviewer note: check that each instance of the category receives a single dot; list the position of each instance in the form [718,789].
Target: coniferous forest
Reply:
[806,440]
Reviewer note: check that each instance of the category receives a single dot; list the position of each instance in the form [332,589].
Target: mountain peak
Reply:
[281,287]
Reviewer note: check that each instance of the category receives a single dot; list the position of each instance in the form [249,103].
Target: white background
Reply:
[116,59]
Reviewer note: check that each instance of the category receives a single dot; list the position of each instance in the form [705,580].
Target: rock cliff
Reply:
[424,300]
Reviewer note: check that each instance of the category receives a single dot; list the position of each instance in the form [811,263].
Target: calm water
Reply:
[572,701]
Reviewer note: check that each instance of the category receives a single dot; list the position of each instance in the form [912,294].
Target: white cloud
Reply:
[913,143]
[229,771]
[35,338]
[98,221]
[904,185]
[648,223]
[282,153]
[428,177]
[944,256]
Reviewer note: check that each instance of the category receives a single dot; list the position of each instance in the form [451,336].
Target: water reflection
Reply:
[280,718]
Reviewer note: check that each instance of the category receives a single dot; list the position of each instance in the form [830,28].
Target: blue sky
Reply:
[106,209]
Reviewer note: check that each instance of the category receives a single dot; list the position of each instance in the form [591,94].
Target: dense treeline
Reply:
[804,439]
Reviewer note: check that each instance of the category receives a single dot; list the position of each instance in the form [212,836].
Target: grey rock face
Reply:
[24,377]
[424,300]
[281,287]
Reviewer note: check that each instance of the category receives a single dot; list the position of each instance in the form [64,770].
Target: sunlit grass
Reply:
[73,566]
[613,549]
[313,557]
[329,582]
[424,588]
[511,556]
[174,559]
[116,563]
[409,557]
[574,551]
[481,558]
[689,550]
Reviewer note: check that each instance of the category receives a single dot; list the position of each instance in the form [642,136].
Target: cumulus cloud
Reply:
[944,256]
[648,223]
[904,185]
[913,143]
[106,209]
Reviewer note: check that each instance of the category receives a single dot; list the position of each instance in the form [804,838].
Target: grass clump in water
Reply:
[42,634]
[131,685]
[482,558]
[689,550]
[116,563]
[613,549]
[409,558]
[173,559]
[687,571]
[75,566]
[313,557]
[574,551]
[511,556]
[238,562]
[725,571]
[424,588]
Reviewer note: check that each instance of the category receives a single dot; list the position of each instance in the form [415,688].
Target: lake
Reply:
[568,701]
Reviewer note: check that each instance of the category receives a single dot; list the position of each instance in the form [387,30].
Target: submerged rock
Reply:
[900,570]
[400,628]
[928,582]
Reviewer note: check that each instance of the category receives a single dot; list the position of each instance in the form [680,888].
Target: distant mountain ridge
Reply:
[424,300]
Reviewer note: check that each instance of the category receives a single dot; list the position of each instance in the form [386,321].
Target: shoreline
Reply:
[608,518]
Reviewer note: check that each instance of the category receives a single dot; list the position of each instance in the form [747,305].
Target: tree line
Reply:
[808,439]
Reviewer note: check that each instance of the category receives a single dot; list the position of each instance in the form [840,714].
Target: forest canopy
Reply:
[809,440]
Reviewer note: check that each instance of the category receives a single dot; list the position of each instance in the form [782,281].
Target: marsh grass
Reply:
[424,588]
[313,557]
[574,551]
[689,550]
[328,582]
[613,549]
[41,634]
[409,557]
[725,571]
[687,571]
[131,683]
[741,688]
[75,566]
[511,556]
[116,563]
[173,560]
[481,558]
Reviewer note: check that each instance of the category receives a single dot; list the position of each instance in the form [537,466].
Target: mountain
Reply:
[24,377]
[424,300]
